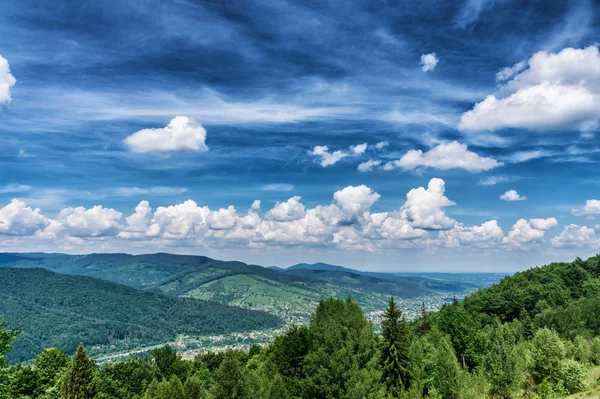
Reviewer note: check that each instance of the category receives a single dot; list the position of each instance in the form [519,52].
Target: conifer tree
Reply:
[394,353]
[80,382]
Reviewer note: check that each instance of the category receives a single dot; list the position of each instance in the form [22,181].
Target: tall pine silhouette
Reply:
[394,353]
[80,382]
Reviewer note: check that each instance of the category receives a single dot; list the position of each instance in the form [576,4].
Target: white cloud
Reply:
[6,81]
[223,219]
[359,149]
[445,156]
[381,145]
[354,201]
[368,165]
[509,72]
[181,134]
[574,236]
[512,195]
[17,218]
[493,180]
[486,235]
[424,208]
[429,62]
[523,232]
[278,187]
[543,224]
[93,222]
[327,158]
[556,91]
[524,156]
[255,205]
[14,188]
[591,208]
[292,209]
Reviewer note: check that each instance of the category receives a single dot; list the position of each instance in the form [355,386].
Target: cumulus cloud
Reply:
[6,81]
[425,207]
[223,219]
[368,165]
[543,224]
[523,232]
[574,236]
[591,208]
[354,201]
[555,91]
[486,235]
[445,156]
[512,195]
[381,145]
[359,149]
[347,222]
[327,158]
[292,209]
[93,222]
[17,218]
[181,134]
[429,62]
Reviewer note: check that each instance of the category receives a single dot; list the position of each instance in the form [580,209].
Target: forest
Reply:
[533,335]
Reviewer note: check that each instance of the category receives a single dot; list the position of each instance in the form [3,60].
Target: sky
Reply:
[380,135]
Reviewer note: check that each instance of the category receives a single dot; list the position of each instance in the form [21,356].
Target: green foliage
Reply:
[194,388]
[342,361]
[50,364]
[54,311]
[572,375]
[595,355]
[80,381]
[394,351]
[7,337]
[170,364]
[167,389]
[231,379]
[24,381]
[128,378]
[502,363]
[548,353]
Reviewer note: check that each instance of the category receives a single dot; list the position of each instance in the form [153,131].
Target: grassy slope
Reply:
[62,310]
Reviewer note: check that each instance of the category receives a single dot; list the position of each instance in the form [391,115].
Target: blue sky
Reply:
[112,106]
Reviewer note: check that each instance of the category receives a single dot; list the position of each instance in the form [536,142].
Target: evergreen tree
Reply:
[342,361]
[79,381]
[194,388]
[395,347]
[501,363]
[231,381]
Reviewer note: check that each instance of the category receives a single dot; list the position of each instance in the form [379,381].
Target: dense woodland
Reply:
[57,310]
[533,335]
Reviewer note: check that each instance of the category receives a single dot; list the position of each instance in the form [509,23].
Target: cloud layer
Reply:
[347,222]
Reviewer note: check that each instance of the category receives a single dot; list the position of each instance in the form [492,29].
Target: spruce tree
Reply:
[80,382]
[394,353]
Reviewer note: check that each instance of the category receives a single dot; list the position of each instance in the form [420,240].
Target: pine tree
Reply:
[80,382]
[394,353]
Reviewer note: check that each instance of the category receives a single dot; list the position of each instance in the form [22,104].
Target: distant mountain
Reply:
[56,310]
[321,266]
[291,293]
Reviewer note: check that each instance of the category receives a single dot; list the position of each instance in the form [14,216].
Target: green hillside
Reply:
[62,310]
[290,293]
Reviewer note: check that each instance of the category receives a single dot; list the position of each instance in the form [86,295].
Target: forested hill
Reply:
[56,310]
[292,294]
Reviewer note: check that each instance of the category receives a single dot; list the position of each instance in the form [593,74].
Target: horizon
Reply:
[378,135]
